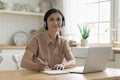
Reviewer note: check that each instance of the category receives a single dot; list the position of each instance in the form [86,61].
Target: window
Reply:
[96,14]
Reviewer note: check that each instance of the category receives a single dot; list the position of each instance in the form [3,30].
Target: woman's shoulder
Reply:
[62,39]
[40,35]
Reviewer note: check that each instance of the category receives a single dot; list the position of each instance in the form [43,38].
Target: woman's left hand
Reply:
[58,67]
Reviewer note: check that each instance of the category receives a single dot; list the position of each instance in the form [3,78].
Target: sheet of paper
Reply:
[55,72]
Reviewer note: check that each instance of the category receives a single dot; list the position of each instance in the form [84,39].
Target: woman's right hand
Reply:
[44,65]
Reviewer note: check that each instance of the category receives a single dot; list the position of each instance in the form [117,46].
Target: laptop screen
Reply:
[97,59]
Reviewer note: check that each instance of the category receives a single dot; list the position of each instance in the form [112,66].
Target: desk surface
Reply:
[33,75]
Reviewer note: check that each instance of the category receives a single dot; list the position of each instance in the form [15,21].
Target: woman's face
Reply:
[54,22]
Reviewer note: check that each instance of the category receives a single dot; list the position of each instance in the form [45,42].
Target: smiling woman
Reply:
[48,49]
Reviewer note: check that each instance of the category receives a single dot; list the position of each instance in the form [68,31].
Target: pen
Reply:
[42,62]
[39,60]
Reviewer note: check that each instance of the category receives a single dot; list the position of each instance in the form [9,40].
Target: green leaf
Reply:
[84,31]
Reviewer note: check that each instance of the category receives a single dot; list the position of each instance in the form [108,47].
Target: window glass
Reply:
[92,1]
[92,12]
[104,11]
[104,32]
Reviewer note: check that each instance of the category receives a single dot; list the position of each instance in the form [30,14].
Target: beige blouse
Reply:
[53,53]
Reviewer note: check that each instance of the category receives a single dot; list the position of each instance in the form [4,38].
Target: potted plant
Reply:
[84,31]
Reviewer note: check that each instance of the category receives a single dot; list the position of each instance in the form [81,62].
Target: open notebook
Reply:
[55,72]
[96,61]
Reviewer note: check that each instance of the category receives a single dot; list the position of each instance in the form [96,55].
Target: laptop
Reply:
[96,60]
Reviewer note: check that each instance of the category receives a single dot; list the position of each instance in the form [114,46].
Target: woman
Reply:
[47,50]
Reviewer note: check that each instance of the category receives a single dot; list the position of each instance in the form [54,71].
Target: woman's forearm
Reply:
[28,64]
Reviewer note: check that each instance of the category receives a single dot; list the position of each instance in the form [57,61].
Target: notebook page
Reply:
[55,72]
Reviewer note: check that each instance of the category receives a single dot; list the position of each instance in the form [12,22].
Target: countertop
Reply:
[116,50]
[11,47]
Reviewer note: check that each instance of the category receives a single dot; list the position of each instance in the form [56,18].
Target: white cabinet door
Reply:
[7,62]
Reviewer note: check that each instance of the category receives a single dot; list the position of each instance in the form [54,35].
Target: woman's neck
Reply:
[52,35]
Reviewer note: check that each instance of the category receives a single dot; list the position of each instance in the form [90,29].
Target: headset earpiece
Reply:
[44,24]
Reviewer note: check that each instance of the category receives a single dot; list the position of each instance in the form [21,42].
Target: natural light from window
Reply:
[96,14]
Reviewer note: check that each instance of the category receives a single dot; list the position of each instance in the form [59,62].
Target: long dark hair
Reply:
[48,13]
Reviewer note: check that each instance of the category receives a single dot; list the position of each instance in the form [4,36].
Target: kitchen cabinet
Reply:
[11,59]
[7,63]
